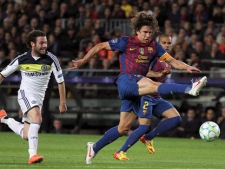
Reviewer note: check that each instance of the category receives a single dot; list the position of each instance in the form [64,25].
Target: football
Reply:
[209,131]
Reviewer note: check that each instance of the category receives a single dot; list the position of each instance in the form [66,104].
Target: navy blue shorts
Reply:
[152,106]
[128,87]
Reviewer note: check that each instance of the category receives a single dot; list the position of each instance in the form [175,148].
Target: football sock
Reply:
[170,88]
[109,136]
[134,137]
[4,119]
[15,126]
[163,126]
[33,138]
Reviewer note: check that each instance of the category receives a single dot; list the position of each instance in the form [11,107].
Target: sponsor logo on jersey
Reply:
[150,49]
[44,67]
[142,51]
[36,73]
[33,102]
[142,59]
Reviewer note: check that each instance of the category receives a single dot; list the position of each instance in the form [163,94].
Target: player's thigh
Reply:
[164,109]
[126,120]
[34,114]
[147,86]
[144,121]
[170,113]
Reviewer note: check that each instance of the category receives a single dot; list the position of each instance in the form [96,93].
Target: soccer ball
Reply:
[209,131]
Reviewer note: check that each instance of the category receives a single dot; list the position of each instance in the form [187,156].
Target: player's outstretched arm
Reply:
[181,65]
[62,95]
[97,48]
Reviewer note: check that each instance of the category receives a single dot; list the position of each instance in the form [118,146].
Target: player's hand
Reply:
[192,68]
[62,108]
[77,63]
[165,72]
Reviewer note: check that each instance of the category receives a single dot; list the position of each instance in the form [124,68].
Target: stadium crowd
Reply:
[197,28]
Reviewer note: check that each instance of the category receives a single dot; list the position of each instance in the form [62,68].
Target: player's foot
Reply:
[148,144]
[90,152]
[35,159]
[120,156]
[2,114]
[197,86]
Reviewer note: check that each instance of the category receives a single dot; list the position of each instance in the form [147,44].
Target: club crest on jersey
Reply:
[142,51]
[44,67]
[150,49]
[33,102]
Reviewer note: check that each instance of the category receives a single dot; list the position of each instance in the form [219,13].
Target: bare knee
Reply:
[123,130]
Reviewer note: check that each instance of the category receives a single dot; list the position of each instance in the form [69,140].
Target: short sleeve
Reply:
[119,44]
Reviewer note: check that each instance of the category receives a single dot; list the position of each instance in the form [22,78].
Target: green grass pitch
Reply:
[68,151]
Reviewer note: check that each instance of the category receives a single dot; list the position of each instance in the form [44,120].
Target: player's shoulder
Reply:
[51,55]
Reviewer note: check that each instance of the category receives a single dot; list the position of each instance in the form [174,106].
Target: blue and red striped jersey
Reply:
[135,57]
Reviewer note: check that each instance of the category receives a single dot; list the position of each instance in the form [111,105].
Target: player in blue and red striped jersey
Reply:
[153,105]
[136,54]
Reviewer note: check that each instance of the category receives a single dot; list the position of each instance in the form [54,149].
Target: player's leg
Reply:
[126,120]
[34,114]
[14,125]
[147,86]
[143,127]
[163,109]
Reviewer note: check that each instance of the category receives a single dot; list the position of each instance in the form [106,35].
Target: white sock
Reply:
[3,120]
[33,138]
[15,126]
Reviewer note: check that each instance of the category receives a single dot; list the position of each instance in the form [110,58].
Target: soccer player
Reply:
[35,66]
[136,54]
[153,105]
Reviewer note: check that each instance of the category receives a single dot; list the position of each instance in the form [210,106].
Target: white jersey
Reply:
[35,73]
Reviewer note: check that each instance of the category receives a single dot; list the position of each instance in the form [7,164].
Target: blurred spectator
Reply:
[189,126]
[165,6]
[53,14]
[145,8]
[209,4]
[199,49]
[117,12]
[53,45]
[222,46]
[195,61]
[220,35]
[70,42]
[89,12]
[199,30]
[174,16]
[218,16]
[158,14]
[21,46]
[97,6]
[73,6]
[184,15]
[191,45]
[2,57]
[208,41]
[64,11]
[57,127]
[86,31]
[199,14]
[221,123]
[126,7]
[209,115]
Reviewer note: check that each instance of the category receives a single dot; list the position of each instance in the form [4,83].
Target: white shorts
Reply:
[27,101]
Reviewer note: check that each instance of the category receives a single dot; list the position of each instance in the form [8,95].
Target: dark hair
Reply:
[32,36]
[144,19]
[163,36]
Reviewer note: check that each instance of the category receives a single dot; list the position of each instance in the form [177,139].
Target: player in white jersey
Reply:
[36,67]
